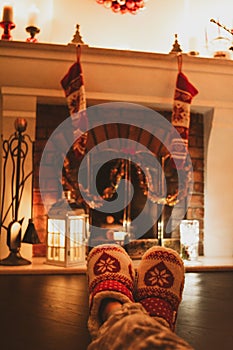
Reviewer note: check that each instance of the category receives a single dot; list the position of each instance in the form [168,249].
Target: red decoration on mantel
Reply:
[7,26]
[123,6]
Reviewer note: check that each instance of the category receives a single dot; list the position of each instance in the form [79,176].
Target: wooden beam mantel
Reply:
[112,75]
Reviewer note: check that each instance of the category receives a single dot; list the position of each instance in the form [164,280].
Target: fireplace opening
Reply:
[105,181]
[50,116]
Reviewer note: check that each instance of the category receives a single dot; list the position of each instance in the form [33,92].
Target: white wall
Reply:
[152,30]
[218,238]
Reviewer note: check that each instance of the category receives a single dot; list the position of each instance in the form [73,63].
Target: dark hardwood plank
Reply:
[43,312]
[50,311]
[205,316]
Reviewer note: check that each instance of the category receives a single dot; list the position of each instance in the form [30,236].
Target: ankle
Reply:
[107,307]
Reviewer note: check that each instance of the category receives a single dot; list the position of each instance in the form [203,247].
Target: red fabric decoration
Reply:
[73,86]
[184,93]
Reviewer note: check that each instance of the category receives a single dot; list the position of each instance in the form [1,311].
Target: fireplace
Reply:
[50,116]
[31,77]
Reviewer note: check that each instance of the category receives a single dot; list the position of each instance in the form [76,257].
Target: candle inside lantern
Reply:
[7,15]
[33,15]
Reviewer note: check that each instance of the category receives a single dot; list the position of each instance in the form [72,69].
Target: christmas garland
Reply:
[145,182]
[123,6]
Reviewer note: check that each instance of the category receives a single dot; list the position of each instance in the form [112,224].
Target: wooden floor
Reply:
[49,312]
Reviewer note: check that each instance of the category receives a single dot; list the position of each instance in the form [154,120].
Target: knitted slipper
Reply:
[160,283]
[110,275]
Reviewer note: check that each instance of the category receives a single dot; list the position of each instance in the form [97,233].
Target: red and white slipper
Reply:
[160,283]
[110,275]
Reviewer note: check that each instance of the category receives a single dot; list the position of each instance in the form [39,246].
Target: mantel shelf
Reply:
[112,75]
[68,53]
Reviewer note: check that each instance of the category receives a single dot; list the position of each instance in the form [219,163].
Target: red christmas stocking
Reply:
[184,93]
[73,87]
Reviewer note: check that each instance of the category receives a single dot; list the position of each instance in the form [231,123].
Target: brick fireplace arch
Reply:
[50,116]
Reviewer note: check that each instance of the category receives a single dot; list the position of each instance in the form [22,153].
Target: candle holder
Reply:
[32,30]
[220,47]
[7,26]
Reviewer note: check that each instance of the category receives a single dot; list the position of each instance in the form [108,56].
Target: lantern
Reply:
[66,237]
[189,239]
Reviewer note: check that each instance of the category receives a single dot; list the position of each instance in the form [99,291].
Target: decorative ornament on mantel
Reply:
[221,40]
[32,27]
[77,38]
[7,22]
[32,30]
[176,46]
[124,6]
